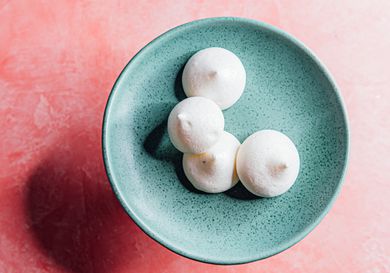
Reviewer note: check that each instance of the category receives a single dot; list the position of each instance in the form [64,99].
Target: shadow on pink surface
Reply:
[74,215]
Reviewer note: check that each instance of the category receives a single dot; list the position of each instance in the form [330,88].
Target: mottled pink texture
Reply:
[58,62]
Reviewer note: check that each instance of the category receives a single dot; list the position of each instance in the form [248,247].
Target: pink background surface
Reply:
[58,62]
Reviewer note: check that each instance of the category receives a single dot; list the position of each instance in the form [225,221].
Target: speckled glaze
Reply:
[287,89]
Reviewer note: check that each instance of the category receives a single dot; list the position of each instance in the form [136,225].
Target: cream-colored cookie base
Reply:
[215,73]
[214,170]
[195,124]
[268,163]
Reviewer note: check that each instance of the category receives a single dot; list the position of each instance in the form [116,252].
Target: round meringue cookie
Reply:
[268,163]
[214,171]
[195,124]
[215,73]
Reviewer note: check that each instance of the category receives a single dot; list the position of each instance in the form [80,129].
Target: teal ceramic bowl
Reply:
[287,89]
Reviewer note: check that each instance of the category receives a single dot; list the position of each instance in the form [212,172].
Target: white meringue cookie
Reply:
[214,170]
[215,73]
[195,124]
[268,163]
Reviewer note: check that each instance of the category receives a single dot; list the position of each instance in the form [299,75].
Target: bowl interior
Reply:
[287,90]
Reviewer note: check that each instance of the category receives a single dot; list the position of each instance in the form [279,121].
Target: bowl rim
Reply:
[165,242]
